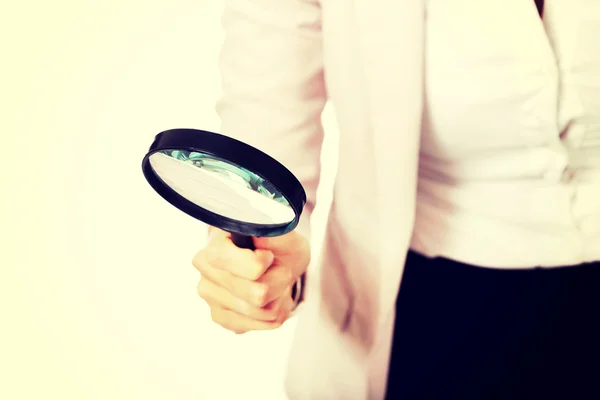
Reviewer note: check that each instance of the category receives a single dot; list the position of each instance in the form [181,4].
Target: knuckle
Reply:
[202,289]
[198,259]
[215,315]
[212,255]
[234,285]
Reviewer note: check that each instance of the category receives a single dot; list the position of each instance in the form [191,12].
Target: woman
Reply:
[462,246]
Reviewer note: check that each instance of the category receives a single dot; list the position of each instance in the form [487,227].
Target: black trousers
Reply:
[464,332]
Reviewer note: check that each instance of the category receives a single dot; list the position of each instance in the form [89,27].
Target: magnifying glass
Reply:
[224,183]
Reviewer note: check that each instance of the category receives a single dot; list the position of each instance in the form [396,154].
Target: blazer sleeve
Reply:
[273,89]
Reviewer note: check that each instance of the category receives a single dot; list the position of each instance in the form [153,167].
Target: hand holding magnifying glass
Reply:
[252,265]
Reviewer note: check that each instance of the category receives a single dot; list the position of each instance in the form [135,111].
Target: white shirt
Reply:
[510,155]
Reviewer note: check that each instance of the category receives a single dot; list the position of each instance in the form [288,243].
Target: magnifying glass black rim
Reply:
[237,153]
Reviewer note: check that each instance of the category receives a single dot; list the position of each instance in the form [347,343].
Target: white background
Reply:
[97,291]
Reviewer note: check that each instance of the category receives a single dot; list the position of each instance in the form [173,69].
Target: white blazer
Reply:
[272,64]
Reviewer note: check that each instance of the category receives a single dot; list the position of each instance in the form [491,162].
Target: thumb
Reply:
[289,243]
[265,257]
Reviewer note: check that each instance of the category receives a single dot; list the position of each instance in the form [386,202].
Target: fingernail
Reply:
[270,257]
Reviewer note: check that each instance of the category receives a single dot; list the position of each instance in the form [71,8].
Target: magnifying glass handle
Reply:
[242,241]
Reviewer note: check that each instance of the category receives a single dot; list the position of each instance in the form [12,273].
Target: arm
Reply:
[273,87]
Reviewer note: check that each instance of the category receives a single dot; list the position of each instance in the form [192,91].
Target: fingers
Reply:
[239,323]
[256,293]
[250,290]
[220,297]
